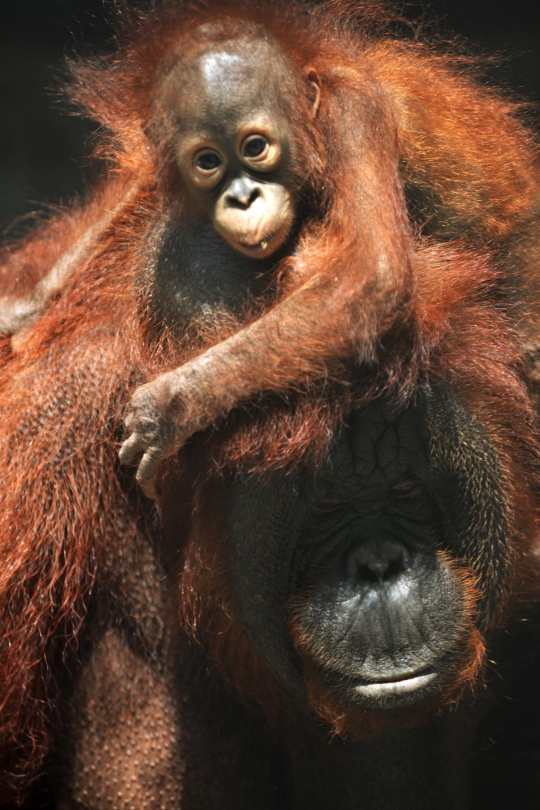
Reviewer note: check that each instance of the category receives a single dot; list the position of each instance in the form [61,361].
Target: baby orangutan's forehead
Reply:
[227,80]
[225,70]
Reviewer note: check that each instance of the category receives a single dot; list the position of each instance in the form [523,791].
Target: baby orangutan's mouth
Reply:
[263,247]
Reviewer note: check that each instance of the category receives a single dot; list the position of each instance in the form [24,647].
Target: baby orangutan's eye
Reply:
[208,161]
[255,146]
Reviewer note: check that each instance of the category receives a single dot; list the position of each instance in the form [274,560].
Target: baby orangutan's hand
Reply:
[158,425]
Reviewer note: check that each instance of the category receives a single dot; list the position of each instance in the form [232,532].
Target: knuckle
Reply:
[130,421]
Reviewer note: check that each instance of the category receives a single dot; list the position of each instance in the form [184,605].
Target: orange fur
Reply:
[443,310]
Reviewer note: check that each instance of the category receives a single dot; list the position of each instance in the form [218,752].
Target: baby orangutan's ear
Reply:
[314,90]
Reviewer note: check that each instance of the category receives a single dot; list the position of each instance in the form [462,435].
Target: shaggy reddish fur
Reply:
[441,308]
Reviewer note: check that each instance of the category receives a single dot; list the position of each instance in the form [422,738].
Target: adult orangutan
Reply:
[252,244]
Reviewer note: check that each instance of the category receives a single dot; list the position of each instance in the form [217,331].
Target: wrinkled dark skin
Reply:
[367,532]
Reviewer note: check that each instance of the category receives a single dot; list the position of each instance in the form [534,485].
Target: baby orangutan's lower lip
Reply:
[261,248]
[267,245]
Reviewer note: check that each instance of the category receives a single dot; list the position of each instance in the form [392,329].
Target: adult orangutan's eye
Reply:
[327,506]
[208,161]
[406,489]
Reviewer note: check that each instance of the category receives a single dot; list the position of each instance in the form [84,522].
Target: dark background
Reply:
[42,148]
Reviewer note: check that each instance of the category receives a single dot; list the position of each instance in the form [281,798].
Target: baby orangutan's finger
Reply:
[131,448]
[147,471]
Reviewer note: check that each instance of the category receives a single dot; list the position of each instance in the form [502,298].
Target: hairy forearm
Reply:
[297,340]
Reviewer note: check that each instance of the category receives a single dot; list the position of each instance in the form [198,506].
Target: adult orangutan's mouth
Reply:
[396,687]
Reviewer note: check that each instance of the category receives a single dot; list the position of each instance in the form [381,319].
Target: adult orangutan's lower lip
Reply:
[399,686]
